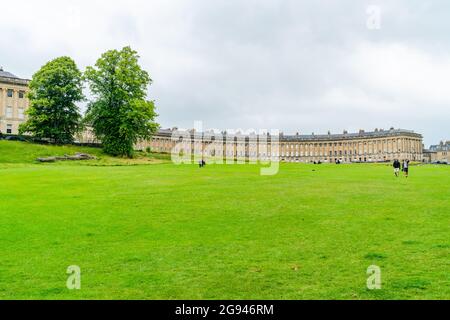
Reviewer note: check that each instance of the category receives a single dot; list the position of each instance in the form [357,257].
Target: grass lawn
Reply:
[155,230]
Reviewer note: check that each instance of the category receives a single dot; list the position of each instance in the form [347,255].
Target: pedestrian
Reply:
[406,168]
[396,166]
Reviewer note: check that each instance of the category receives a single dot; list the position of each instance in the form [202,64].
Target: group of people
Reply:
[201,163]
[404,166]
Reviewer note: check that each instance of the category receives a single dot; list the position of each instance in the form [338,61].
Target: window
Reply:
[21,94]
[9,112]
[21,114]
[10,93]
[9,128]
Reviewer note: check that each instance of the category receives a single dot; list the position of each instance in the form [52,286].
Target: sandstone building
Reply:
[376,146]
[13,102]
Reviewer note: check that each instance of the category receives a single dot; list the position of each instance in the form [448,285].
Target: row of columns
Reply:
[379,149]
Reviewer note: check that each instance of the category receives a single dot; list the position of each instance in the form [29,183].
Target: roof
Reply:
[7,74]
[440,147]
[361,134]
[8,77]
[327,137]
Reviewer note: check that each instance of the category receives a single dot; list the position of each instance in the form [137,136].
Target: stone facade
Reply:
[376,146]
[438,153]
[13,102]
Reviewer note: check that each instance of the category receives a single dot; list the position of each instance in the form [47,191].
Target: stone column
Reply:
[377,149]
[409,148]
[2,102]
[15,103]
[2,110]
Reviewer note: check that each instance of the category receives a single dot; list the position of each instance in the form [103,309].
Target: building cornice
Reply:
[14,81]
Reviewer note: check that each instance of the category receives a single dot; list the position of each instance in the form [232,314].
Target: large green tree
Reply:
[54,91]
[120,113]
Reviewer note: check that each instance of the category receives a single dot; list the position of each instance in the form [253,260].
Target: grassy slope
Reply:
[224,232]
[27,153]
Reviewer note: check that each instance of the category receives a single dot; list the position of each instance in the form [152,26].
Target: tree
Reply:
[120,114]
[54,90]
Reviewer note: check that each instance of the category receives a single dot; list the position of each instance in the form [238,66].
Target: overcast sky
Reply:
[297,66]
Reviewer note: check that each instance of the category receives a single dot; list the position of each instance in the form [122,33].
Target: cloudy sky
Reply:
[298,66]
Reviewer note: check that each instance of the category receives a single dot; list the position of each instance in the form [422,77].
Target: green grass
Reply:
[161,231]
[27,153]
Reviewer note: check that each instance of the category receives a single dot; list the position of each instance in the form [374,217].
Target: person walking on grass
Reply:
[396,166]
[201,163]
[406,168]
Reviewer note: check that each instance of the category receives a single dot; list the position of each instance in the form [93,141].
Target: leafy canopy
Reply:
[120,114]
[54,91]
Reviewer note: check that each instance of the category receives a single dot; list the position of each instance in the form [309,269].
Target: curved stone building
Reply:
[376,146]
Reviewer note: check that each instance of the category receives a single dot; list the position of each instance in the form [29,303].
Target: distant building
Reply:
[13,102]
[438,153]
[377,146]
